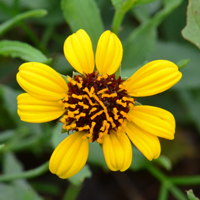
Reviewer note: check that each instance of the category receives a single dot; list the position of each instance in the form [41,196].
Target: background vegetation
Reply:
[149,30]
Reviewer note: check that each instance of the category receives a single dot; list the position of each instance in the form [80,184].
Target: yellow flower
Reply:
[96,105]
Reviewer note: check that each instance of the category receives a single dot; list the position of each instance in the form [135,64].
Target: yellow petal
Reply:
[109,53]
[35,110]
[153,78]
[79,53]
[41,81]
[156,121]
[147,143]
[70,155]
[117,151]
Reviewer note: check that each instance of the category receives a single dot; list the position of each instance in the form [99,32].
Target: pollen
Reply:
[96,105]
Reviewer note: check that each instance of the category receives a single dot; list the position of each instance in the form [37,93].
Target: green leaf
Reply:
[143,1]
[18,189]
[191,106]
[96,156]
[6,26]
[25,193]
[141,42]
[78,178]
[141,13]
[85,15]
[117,3]
[138,47]
[11,165]
[6,192]
[2,146]
[6,120]
[22,50]
[17,192]
[137,103]
[192,30]
[36,4]
[56,137]
[164,162]
[10,102]
[183,63]
[191,195]
[7,134]
[139,161]
[61,65]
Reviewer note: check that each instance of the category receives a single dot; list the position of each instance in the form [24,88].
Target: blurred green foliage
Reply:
[36,31]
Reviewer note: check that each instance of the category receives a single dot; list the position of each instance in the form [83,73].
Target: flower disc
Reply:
[96,104]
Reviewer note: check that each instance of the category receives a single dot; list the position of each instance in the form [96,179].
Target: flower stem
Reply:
[117,21]
[33,37]
[178,194]
[119,15]
[192,180]
[72,192]
[167,182]
[27,174]
[118,18]
[163,195]
[157,173]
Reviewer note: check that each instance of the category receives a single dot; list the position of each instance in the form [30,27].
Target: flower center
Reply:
[96,105]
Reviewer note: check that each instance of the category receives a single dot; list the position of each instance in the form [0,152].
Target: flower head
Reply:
[97,106]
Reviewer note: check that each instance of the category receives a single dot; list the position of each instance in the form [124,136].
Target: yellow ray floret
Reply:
[41,81]
[147,143]
[35,110]
[117,151]
[156,121]
[153,78]
[108,54]
[70,155]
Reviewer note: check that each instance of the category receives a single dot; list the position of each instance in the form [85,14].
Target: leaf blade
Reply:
[191,195]
[83,14]
[6,26]
[78,178]
[191,31]
[22,50]
[141,42]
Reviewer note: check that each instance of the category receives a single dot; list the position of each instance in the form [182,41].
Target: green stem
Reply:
[72,192]
[165,180]
[178,193]
[28,174]
[157,173]
[119,15]
[192,180]
[33,37]
[163,195]
[27,143]
[47,34]
[7,25]
[117,21]
[118,18]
